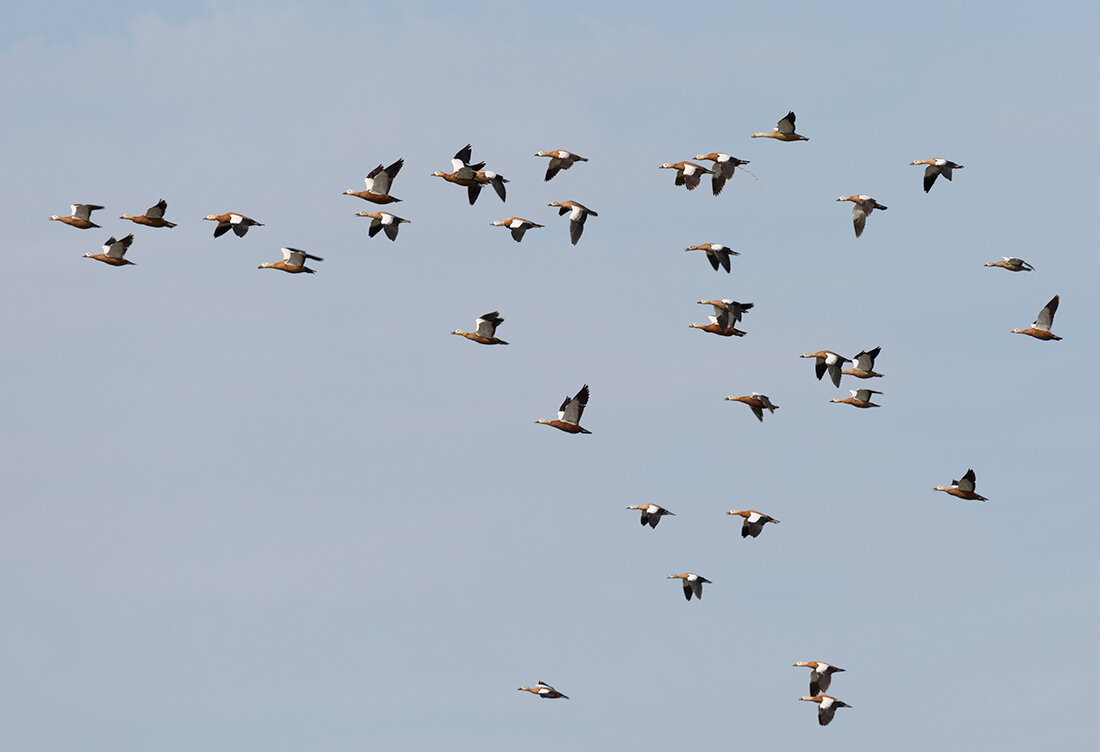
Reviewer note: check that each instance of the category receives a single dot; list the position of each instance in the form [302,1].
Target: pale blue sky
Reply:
[255,511]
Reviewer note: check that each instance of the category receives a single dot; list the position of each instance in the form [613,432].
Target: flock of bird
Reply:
[727,313]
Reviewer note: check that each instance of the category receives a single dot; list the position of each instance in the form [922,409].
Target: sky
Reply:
[247,510]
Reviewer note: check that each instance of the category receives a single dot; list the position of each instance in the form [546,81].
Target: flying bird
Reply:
[378,182]
[294,262]
[486,330]
[114,251]
[578,213]
[757,402]
[753,524]
[717,254]
[963,488]
[935,168]
[651,513]
[784,130]
[688,174]
[859,398]
[827,360]
[153,216]
[382,220]
[544,690]
[864,368]
[862,206]
[464,173]
[821,675]
[569,414]
[238,223]
[693,584]
[1012,264]
[80,217]
[518,226]
[724,167]
[1040,328]
[826,707]
[560,159]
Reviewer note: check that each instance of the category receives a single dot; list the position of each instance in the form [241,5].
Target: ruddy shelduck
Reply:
[717,254]
[864,365]
[859,398]
[544,690]
[1012,264]
[569,414]
[488,177]
[294,262]
[784,130]
[688,174]
[382,220]
[80,216]
[724,167]
[578,213]
[757,402]
[727,313]
[754,522]
[114,251]
[464,173]
[1040,328]
[862,206]
[821,675]
[651,513]
[238,223]
[560,159]
[963,488]
[378,182]
[153,216]
[935,168]
[486,330]
[826,707]
[518,226]
[827,360]
[693,583]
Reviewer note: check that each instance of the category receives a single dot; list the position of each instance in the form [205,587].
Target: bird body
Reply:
[784,130]
[821,675]
[560,159]
[517,225]
[717,254]
[935,168]
[544,690]
[688,174]
[693,583]
[724,167]
[826,707]
[569,414]
[757,402]
[1040,328]
[859,398]
[378,182]
[963,488]
[383,220]
[238,223]
[578,213]
[1012,264]
[753,524]
[80,216]
[864,365]
[114,251]
[153,216]
[862,206]
[827,361]
[486,330]
[294,262]
[651,513]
